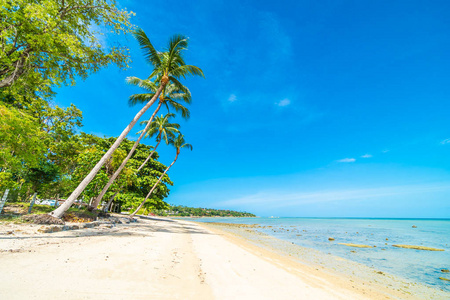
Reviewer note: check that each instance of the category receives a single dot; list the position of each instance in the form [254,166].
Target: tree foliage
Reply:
[42,150]
[22,145]
[51,42]
[184,211]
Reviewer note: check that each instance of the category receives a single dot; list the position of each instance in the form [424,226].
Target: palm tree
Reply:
[168,67]
[178,143]
[169,96]
[163,129]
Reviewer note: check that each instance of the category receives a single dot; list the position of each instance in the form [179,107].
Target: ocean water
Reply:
[414,265]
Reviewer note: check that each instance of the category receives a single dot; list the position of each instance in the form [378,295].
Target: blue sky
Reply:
[309,108]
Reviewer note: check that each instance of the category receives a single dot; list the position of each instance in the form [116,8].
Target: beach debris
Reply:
[414,226]
[44,219]
[445,279]
[355,245]
[331,239]
[353,251]
[418,247]
[445,270]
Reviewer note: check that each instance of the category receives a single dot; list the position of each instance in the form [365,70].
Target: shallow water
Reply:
[414,265]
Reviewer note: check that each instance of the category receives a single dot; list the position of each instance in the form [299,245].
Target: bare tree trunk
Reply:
[105,208]
[114,176]
[150,156]
[155,185]
[71,199]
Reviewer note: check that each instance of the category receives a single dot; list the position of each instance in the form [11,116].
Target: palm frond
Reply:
[183,71]
[167,105]
[182,96]
[179,85]
[189,146]
[177,43]
[142,83]
[139,98]
[149,51]
[179,108]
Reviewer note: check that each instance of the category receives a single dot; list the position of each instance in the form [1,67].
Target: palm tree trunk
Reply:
[150,156]
[105,208]
[154,186]
[124,162]
[68,203]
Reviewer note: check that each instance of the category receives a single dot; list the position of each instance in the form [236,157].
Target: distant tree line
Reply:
[184,211]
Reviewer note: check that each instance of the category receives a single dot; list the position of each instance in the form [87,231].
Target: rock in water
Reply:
[355,245]
[331,239]
[418,247]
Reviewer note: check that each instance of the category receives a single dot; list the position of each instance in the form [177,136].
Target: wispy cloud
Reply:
[232,98]
[276,200]
[445,142]
[346,160]
[366,156]
[284,102]
[385,151]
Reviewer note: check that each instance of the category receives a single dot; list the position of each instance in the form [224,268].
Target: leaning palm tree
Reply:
[178,143]
[169,97]
[163,131]
[168,67]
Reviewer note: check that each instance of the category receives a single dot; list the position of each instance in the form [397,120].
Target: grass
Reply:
[12,213]
[15,219]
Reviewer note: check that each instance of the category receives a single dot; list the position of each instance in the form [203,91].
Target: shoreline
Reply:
[348,273]
[161,258]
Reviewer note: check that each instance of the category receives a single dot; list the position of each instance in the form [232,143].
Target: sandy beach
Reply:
[163,259]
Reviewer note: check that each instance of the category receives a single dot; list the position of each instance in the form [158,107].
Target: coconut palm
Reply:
[171,96]
[178,143]
[163,131]
[168,66]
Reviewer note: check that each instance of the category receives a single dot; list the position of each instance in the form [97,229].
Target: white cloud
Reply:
[366,156]
[446,141]
[347,160]
[284,102]
[276,199]
[232,98]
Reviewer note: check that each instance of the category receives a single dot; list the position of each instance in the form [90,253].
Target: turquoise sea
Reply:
[414,265]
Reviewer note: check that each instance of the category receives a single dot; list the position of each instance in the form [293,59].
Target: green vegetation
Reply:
[184,211]
[18,213]
[178,143]
[48,43]
[168,68]
[43,149]
[42,153]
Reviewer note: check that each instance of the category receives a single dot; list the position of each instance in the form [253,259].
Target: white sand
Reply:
[157,260]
